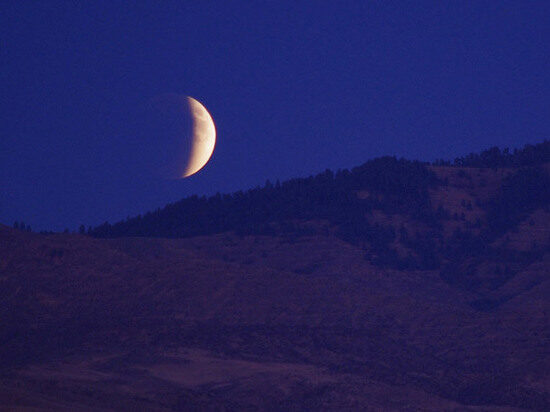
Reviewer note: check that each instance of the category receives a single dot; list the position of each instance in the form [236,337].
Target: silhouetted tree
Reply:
[529,155]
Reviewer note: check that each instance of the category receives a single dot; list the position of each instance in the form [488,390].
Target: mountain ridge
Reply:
[427,301]
[381,175]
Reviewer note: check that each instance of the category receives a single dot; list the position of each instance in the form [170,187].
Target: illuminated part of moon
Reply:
[203,137]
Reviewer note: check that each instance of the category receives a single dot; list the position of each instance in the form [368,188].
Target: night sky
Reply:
[293,87]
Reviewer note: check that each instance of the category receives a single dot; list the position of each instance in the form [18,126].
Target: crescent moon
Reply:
[203,137]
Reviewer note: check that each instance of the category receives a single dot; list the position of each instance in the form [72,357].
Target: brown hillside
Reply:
[276,322]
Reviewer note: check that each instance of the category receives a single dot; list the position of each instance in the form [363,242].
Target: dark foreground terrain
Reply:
[445,312]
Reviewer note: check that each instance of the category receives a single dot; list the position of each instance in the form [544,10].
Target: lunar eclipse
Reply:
[181,135]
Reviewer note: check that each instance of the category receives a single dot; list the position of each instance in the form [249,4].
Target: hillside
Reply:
[245,321]
[468,223]
[396,285]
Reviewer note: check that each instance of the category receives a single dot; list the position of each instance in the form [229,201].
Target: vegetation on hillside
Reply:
[346,201]
[529,155]
[346,198]
[521,193]
[394,185]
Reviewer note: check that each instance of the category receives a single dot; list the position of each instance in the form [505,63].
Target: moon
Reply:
[203,137]
[179,134]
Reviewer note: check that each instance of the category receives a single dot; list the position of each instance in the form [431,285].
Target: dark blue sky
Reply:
[294,88]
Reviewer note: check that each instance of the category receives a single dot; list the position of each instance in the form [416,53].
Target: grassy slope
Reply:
[293,321]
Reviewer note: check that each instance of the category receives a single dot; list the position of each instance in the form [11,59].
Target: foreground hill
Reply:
[396,285]
[246,322]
